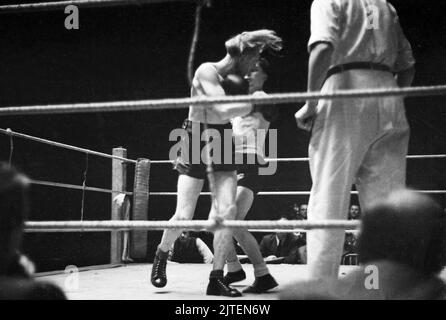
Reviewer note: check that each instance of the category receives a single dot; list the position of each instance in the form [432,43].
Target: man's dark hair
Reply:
[265,65]
[408,228]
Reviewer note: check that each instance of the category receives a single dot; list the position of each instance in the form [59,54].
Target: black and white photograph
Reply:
[222,158]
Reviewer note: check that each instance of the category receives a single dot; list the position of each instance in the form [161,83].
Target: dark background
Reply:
[140,52]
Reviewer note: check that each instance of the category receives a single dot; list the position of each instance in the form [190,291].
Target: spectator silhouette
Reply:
[401,250]
[282,247]
[16,279]
[354,213]
[191,249]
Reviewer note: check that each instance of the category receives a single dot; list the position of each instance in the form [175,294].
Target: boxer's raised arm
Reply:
[209,82]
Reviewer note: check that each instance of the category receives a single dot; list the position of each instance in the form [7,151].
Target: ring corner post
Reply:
[139,238]
[119,179]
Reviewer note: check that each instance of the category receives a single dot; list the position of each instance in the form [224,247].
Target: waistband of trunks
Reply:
[188,125]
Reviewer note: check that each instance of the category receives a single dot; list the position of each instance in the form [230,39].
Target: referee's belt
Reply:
[357,65]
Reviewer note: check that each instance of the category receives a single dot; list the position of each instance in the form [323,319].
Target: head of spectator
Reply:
[407,228]
[189,248]
[287,216]
[16,271]
[296,209]
[401,247]
[185,234]
[303,210]
[14,207]
[354,213]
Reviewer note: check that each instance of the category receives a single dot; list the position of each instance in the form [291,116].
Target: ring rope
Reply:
[180,103]
[291,230]
[432,156]
[11,150]
[194,41]
[287,193]
[129,229]
[84,185]
[38,6]
[10,133]
[119,225]
[76,187]
[429,156]
[161,193]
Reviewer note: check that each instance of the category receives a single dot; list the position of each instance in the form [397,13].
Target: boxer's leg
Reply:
[245,197]
[188,191]
[225,193]
[244,201]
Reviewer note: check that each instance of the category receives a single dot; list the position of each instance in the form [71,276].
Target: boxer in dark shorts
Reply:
[248,174]
[185,163]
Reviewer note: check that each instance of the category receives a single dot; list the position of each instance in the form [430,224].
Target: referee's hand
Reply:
[305,116]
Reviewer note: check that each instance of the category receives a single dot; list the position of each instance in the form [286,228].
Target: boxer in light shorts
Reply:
[249,134]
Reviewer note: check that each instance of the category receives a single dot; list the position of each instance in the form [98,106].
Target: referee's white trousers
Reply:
[354,141]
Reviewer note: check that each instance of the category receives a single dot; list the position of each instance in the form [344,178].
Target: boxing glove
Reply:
[235,85]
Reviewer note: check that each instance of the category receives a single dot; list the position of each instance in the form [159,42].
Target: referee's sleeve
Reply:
[325,27]
[405,58]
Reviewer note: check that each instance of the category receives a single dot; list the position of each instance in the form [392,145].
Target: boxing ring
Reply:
[119,281]
[125,280]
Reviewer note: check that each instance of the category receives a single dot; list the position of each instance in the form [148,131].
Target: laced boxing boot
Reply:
[235,276]
[158,277]
[261,284]
[218,287]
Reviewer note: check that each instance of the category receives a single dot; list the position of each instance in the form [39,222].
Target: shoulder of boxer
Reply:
[269,113]
[206,71]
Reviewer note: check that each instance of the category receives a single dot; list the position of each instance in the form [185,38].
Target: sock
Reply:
[234,266]
[260,270]
[216,274]
[162,254]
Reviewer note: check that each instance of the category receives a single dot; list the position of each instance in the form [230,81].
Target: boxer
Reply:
[243,52]
[249,142]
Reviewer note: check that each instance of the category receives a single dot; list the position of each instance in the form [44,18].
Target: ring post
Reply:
[119,179]
[138,247]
